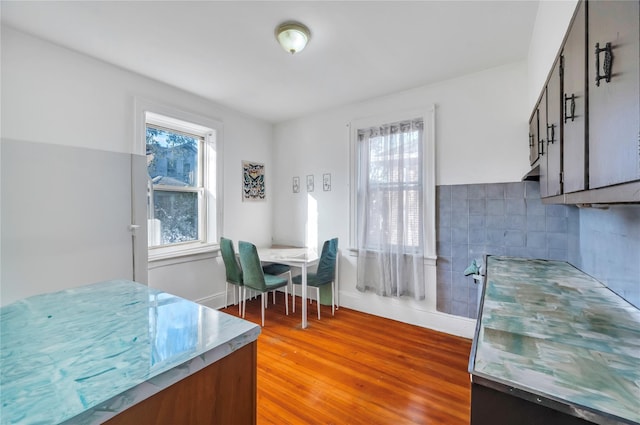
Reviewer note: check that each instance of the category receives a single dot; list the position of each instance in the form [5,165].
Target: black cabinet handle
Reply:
[541,147]
[551,139]
[608,62]
[572,108]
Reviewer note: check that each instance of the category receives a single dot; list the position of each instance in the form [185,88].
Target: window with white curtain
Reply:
[389,207]
[390,192]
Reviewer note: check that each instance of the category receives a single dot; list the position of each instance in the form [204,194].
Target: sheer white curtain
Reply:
[390,209]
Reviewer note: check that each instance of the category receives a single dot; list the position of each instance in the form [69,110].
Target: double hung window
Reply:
[174,164]
[181,166]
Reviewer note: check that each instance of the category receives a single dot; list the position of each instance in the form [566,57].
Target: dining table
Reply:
[293,257]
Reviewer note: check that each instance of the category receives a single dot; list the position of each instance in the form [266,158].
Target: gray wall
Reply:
[66,213]
[498,219]
[610,248]
[510,219]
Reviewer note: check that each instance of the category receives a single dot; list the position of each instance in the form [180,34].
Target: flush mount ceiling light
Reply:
[292,36]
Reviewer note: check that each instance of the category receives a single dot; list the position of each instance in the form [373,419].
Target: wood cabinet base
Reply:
[221,393]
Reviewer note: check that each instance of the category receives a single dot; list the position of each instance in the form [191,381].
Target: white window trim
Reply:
[429,174]
[212,129]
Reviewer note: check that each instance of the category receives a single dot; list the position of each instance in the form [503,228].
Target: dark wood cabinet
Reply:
[589,112]
[553,134]
[533,137]
[574,144]
[550,134]
[542,141]
[614,92]
[222,393]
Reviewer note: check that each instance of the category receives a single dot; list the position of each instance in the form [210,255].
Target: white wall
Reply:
[481,130]
[56,96]
[551,24]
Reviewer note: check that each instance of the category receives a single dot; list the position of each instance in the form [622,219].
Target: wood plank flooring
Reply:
[356,368]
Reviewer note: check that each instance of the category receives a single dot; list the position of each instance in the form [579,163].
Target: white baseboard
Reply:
[411,312]
[215,301]
[407,311]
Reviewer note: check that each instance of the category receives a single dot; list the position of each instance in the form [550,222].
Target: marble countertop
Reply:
[551,330]
[85,354]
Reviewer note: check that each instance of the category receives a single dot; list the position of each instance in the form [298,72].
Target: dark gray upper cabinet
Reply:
[589,113]
[533,137]
[542,142]
[614,92]
[542,124]
[574,101]
[553,134]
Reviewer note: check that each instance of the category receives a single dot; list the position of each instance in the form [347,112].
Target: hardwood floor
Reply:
[356,368]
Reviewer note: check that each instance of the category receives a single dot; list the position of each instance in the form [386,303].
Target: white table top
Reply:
[288,255]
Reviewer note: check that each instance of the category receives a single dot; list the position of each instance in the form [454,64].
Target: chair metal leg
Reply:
[318,300]
[244,307]
[333,297]
[286,300]
[240,299]
[336,281]
[293,296]
[290,282]
[263,301]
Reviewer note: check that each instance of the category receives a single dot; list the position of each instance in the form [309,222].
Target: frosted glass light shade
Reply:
[292,36]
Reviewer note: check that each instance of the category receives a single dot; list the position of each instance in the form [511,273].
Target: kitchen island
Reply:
[553,346]
[121,352]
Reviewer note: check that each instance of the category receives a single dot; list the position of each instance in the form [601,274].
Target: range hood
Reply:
[533,175]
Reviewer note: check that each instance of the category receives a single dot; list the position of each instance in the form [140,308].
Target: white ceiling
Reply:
[226,50]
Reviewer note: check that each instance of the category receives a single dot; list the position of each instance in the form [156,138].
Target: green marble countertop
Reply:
[83,355]
[551,331]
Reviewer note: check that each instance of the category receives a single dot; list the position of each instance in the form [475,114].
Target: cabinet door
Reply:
[533,137]
[542,143]
[574,144]
[614,111]
[553,134]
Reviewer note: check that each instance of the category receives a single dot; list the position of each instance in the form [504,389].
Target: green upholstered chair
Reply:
[254,278]
[233,270]
[324,274]
[277,269]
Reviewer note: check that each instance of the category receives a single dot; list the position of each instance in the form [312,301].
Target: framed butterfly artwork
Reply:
[253,181]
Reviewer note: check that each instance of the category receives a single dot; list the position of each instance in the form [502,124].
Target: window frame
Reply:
[210,197]
[428,173]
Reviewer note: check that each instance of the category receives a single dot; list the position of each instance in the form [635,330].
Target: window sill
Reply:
[165,255]
[428,259]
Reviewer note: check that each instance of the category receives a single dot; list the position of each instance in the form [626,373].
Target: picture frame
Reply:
[295,185]
[310,183]
[326,182]
[253,188]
